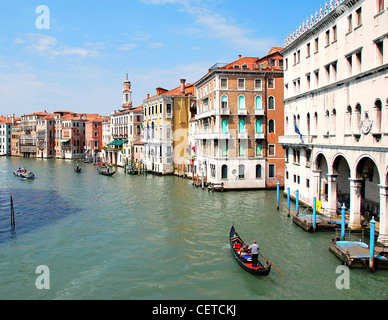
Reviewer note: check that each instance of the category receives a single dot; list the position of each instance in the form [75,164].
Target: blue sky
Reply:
[80,62]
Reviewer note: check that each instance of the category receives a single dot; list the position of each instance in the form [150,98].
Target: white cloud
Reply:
[50,46]
[155,45]
[127,46]
[212,24]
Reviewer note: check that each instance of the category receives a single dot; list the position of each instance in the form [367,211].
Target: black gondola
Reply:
[105,173]
[244,261]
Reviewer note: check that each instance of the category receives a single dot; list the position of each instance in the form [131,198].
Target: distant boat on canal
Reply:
[107,171]
[24,174]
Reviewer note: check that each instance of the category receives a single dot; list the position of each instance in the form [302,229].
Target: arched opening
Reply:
[259,103]
[271,126]
[241,102]
[308,124]
[341,168]
[241,171]
[377,117]
[224,102]
[322,167]
[348,120]
[368,173]
[258,171]
[357,119]
[333,124]
[224,172]
[271,103]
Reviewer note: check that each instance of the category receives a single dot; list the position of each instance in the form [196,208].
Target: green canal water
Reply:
[152,237]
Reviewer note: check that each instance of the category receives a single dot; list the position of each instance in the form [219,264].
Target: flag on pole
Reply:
[297,130]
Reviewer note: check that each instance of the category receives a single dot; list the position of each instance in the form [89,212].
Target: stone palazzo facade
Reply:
[336,111]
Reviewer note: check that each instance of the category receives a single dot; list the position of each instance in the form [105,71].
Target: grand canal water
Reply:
[152,237]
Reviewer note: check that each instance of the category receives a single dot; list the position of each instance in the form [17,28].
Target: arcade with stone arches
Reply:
[359,180]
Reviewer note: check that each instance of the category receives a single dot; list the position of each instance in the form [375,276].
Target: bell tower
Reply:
[127,100]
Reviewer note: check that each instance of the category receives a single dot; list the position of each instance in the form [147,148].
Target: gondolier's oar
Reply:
[271,264]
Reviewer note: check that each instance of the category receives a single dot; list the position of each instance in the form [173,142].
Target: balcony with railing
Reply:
[259,112]
[242,112]
[296,140]
[259,135]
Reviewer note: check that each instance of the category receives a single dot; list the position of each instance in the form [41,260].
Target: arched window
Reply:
[377,117]
[241,102]
[224,126]
[224,172]
[333,121]
[241,171]
[357,119]
[259,126]
[348,120]
[241,125]
[259,150]
[259,102]
[258,171]
[271,126]
[224,102]
[271,103]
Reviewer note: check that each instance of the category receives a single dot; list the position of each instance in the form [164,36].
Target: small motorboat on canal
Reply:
[77,168]
[23,174]
[106,172]
[245,259]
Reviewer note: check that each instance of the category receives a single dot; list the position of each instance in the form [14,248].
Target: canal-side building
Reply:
[60,144]
[73,135]
[238,120]
[166,128]
[45,140]
[15,141]
[336,110]
[93,138]
[28,133]
[6,124]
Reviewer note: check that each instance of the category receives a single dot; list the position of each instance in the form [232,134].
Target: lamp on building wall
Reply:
[367,174]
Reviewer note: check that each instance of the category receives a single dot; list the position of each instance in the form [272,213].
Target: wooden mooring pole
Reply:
[12,215]
[288,201]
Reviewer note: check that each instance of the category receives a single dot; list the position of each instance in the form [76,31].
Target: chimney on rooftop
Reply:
[183,91]
[239,57]
[148,95]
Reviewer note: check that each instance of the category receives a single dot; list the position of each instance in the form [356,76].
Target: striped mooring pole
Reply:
[372,244]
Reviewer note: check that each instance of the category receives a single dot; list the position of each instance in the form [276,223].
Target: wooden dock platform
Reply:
[216,187]
[355,254]
[323,223]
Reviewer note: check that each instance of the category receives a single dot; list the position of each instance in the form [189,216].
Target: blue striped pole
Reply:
[288,201]
[315,213]
[343,208]
[278,192]
[297,202]
[372,244]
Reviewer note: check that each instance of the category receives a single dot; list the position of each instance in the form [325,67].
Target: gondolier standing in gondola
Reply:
[255,253]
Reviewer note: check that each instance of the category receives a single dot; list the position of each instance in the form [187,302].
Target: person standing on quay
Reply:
[255,253]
